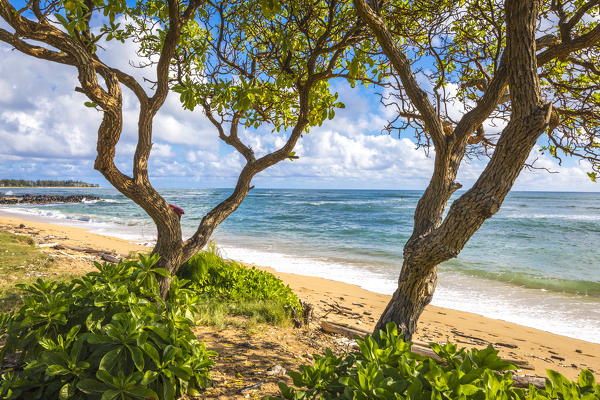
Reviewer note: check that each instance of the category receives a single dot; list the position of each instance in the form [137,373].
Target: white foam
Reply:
[128,231]
[571,316]
[312,267]
[572,217]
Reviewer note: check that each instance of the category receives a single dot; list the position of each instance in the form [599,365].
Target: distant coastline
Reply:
[21,183]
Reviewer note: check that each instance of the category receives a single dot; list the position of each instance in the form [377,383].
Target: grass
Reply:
[234,294]
[268,301]
[247,314]
[20,262]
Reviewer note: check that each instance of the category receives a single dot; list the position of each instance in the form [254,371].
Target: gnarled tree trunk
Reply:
[434,240]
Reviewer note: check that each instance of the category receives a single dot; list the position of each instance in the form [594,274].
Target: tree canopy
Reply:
[245,64]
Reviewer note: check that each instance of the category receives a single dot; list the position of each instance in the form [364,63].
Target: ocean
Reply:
[535,263]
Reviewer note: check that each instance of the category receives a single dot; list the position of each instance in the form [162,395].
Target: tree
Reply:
[246,63]
[443,53]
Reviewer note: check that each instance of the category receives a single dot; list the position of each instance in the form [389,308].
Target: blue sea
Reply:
[535,263]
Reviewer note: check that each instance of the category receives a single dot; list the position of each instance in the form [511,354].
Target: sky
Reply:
[47,133]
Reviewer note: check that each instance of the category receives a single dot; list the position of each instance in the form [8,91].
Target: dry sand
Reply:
[539,348]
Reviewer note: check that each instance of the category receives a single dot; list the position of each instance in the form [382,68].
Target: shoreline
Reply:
[539,348]
[50,187]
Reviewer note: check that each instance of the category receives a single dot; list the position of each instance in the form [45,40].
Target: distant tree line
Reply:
[24,183]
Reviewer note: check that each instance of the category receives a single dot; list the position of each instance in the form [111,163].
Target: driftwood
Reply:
[342,310]
[342,329]
[104,255]
[422,348]
[523,381]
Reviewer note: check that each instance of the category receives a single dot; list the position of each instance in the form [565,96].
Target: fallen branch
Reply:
[255,386]
[104,255]
[343,310]
[418,347]
[342,329]
[523,381]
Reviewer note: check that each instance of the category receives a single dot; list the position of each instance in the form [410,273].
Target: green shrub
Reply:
[239,289]
[384,368]
[107,335]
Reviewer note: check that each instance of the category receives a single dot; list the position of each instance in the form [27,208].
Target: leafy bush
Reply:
[107,335]
[242,290]
[384,368]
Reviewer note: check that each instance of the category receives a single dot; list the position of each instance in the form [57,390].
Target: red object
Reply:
[177,210]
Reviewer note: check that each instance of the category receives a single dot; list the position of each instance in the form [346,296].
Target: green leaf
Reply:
[142,393]
[110,395]
[91,386]
[586,378]
[110,359]
[66,391]
[54,369]
[138,357]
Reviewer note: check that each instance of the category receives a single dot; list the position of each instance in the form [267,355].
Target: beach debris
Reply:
[540,358]
[276,370]
[509,345]
[251,387]
[474,339]
[340,309]
[557,358]
[103,254]
[109,258]
[48,244]
[347,343]
[523,381]
[306,315]
[66,254]
[342,329]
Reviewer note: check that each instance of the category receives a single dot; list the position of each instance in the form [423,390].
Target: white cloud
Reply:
[46,131]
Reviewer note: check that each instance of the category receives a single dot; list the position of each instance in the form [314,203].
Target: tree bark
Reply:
[416,286]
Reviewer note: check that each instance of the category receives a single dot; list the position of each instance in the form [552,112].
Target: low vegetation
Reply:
[384,368]
[107,335]
[20,262]
[227,288]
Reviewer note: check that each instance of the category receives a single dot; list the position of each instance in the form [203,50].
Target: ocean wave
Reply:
[39,212]
[574,217]
[97,201]
[530,281]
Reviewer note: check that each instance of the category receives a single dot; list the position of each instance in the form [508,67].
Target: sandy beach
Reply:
[539,349]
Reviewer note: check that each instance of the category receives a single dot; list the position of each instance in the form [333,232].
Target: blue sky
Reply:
[47,133]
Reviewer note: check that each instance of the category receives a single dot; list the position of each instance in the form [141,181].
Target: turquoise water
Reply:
[538,256]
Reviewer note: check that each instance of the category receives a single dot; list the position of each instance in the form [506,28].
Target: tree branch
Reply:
[402,66]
